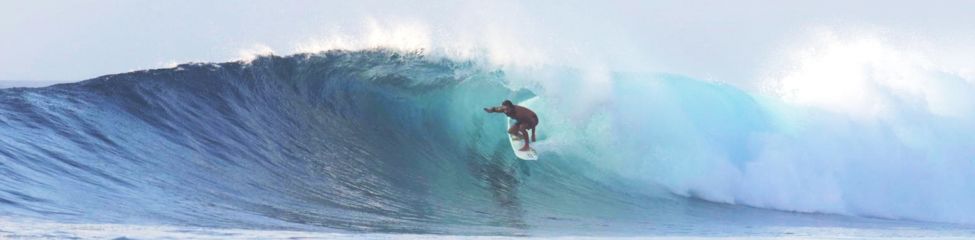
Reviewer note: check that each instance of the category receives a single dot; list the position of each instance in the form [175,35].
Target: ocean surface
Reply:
[386,144]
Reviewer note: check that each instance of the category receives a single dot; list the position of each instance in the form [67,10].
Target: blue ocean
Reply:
[387,144]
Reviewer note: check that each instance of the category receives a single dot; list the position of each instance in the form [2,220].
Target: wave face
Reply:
[389,141]
[361,141]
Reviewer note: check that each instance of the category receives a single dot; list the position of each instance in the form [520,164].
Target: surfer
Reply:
[526,119]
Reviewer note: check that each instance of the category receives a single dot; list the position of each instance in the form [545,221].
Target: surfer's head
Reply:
[507,103]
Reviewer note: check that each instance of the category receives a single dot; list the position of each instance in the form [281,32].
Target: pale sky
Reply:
[65,41]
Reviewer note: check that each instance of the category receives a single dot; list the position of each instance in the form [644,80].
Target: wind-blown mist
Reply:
[854,125]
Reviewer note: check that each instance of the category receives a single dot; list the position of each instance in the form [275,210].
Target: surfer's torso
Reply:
[521,114]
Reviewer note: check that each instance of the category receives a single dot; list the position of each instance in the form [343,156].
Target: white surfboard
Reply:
[516,144]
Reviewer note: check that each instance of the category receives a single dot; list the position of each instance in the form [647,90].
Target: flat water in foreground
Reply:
[40,229]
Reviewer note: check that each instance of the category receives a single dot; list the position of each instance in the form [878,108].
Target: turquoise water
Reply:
[386,142]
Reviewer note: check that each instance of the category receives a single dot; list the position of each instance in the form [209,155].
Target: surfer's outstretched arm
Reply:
[494,109]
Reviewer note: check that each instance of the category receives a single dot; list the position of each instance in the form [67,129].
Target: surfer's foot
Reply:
[525,148]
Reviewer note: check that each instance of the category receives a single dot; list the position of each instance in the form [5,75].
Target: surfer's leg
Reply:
[515,133]
[534,125]
[523,129]
[533,134]
[515,130]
